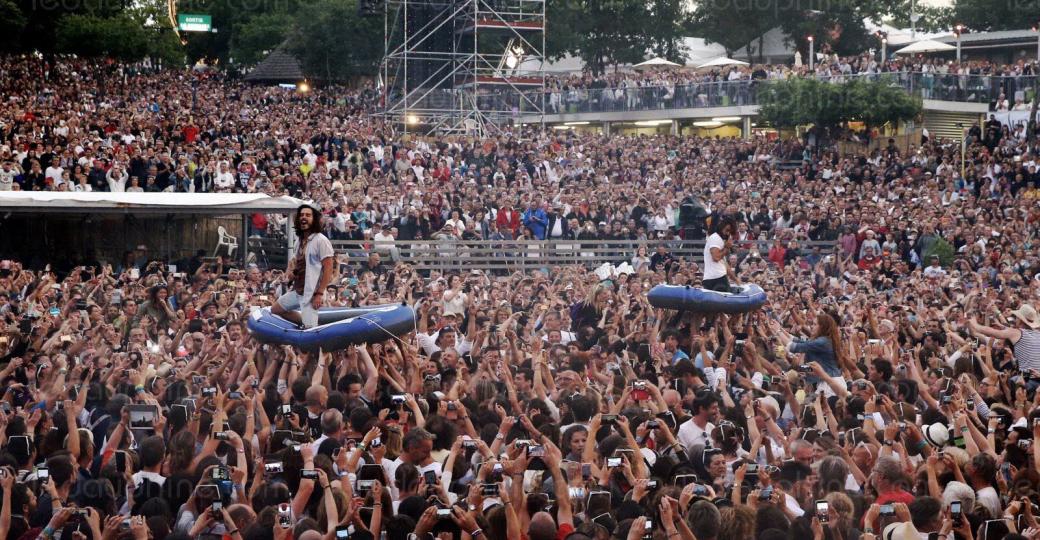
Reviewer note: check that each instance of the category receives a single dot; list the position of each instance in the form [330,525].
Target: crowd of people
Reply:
[1004,86]
[886,390]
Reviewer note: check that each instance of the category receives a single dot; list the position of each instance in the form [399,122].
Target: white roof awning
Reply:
[926,46]
[656,62]
[144,203]
[722,61]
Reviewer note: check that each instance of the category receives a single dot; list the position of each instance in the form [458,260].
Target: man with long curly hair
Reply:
[309,271]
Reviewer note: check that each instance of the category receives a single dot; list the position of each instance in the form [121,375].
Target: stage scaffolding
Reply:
[462,66]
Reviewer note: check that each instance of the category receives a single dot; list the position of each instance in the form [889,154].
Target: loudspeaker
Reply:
[428,70]
[692,212]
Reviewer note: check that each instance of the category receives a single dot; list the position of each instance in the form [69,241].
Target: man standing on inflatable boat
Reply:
[717,273]
[309,271]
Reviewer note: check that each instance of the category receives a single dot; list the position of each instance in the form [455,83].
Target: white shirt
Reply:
[792,504]
[713,269]
[934,272]
[565,337]
[455,306]
[382,241]
[428,343]
[55,173]
[391,470]
[140,476]
[691,434]
[7,179]
[988,498]
[224,180]
[557,229]
[318,249]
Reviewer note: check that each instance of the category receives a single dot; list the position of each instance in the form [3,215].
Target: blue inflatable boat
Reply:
[743,299]
[337,328]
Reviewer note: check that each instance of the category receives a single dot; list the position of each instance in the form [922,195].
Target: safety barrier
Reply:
[524,255]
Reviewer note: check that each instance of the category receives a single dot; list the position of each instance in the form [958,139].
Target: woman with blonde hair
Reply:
[840,510]
[588,312]
[737,523]
[342,506]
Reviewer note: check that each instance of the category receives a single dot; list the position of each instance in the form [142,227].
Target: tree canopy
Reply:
[987,15]
[797,102]
[332,39]
[836,25]
[605,33]
[333,42]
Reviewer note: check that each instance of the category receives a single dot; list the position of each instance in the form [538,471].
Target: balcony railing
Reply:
[508,102]
[967,88]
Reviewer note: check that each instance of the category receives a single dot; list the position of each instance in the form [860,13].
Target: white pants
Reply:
[290,301]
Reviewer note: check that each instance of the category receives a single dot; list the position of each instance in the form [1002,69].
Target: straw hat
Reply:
[1027,314]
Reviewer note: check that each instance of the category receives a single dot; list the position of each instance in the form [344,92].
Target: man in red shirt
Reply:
[889,481]
[869,259]
[190,132]
[507,218]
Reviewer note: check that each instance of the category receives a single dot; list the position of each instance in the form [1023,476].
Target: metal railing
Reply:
[963,88]
[268,251]
[523,255]
[507,102]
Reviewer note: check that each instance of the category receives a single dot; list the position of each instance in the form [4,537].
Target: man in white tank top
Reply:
[1024,337]
[717,273]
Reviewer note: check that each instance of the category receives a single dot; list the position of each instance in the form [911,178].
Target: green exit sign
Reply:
[194,23]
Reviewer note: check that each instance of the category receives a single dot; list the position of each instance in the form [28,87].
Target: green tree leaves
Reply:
[332,42]
[985,15]
[253,38]
[12,23]
[604,33]
[733,24]
[120,36]
[798,102]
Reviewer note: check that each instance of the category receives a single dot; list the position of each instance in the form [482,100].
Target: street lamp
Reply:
[957,31]
[914,17]
[1036,28]
[964,138]
[812,55]
[884,45]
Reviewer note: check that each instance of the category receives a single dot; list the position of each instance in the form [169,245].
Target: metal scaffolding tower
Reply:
[462,66]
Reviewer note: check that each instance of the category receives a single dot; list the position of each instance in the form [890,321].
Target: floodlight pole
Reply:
[812,55]
[957,31]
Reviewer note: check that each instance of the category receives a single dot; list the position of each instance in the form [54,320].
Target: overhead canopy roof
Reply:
[1007,36]
[926,46]
[279,67]
[44,202]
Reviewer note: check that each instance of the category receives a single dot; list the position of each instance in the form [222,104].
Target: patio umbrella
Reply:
[656,63]
[722,61]
[926,46]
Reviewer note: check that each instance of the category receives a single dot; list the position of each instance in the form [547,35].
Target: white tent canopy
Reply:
[656,62]
[144,203]
[722,61]
[925,46]
[697,51]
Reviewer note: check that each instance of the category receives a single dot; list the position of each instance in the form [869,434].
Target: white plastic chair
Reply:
[226,240]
